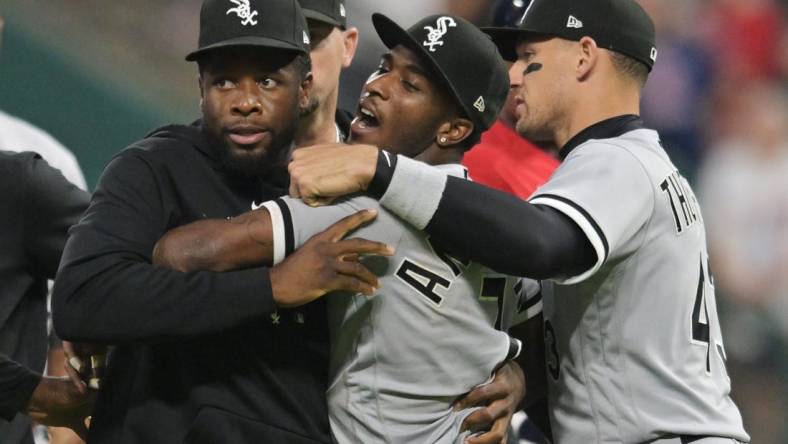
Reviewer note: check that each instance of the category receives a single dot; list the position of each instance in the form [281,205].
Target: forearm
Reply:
[217,245]
[493,228]
[17,385]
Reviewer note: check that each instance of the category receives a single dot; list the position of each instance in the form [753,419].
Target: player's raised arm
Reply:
[487,226]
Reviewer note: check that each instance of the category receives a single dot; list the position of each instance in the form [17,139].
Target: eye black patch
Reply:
[532,67]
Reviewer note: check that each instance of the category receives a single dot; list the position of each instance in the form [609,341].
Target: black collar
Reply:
[606,129]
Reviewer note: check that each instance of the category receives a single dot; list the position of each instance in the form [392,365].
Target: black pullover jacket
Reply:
[200,357]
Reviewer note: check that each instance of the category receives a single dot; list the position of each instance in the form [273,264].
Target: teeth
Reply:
[367,113]
[359,121]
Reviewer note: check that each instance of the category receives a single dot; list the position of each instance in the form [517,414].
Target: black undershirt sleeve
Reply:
[507,234]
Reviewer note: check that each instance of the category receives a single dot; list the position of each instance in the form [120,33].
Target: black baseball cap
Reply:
[464,59]
[327,11]
[508,12]
[266,23]
[617,25]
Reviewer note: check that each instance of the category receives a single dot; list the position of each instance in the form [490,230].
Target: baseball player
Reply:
[206,357]
[634,347]
[436,327]
[503,160]
[333,45]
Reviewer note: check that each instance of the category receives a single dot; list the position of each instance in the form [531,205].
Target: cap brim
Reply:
[320,17]
[262,42]
[391,34]
[506,40]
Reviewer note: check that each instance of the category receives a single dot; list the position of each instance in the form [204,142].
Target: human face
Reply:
[544,73]
[509,111]
[327,62]
[400,108]
[251,99]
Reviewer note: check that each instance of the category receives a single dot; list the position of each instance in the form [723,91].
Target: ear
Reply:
[304,91]
[589,54]
[453,132]
[350,42]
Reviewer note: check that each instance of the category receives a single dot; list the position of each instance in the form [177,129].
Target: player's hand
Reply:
[321,173]
[499,400]
[327,263]
[84,364]
[56,402]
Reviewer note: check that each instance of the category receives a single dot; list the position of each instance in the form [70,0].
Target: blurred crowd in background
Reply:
[99,75]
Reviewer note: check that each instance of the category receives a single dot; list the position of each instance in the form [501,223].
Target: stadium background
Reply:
[98,75]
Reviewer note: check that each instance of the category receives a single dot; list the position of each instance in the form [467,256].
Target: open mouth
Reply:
[246,135]
[366,119]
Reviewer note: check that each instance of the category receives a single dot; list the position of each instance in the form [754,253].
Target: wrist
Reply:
[278,287]
[41,398]
[384,173]
[415,191]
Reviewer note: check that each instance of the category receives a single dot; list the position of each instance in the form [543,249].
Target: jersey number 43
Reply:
[701,328]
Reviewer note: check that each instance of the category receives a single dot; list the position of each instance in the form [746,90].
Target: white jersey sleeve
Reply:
[294,222]
[603,189]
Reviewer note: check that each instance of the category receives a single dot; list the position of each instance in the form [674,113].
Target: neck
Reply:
[435,155]
[319,127]
[597,104]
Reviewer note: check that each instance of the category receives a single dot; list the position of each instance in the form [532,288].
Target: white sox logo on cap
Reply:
[342,11]
[436,34]
[244,11]
[522,19]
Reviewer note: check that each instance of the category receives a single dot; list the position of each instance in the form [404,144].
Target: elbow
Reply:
[187,255]
[65,319]
[166,256]
[72,318]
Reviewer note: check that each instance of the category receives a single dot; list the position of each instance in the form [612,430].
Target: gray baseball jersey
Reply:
[634,349]
[434,331]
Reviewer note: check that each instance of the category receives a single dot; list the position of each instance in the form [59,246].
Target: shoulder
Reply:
[14,159]
[635,152]
[19,135]
[16,168]
[29,176]
[171,145]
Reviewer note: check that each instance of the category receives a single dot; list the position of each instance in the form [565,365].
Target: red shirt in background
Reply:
[505,161]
